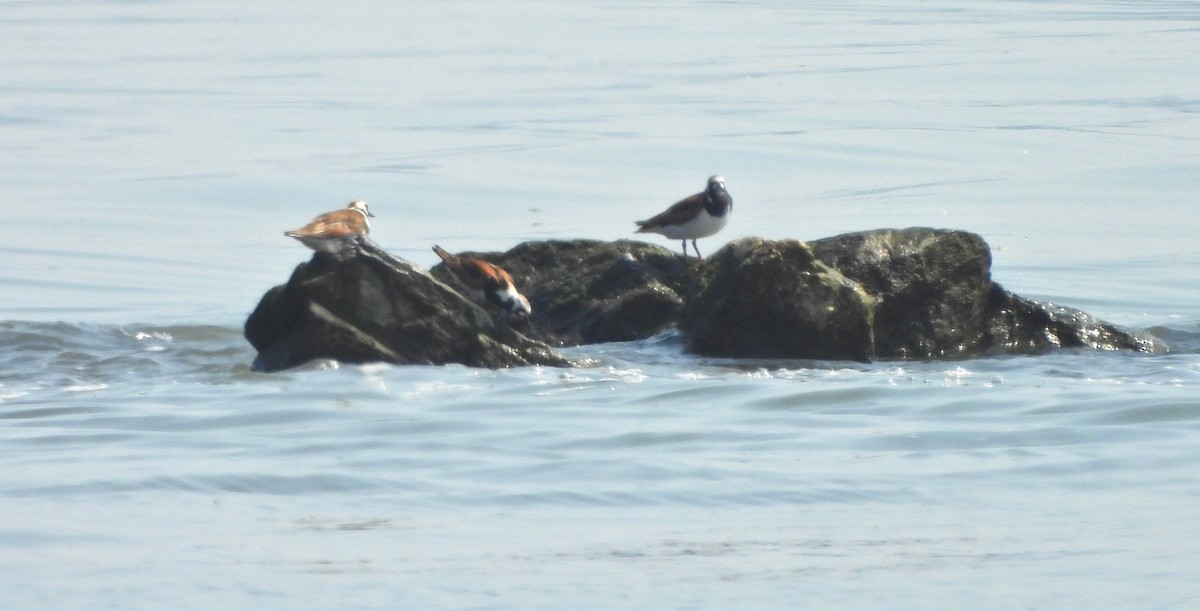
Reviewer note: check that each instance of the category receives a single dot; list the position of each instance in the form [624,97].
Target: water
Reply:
[151,154]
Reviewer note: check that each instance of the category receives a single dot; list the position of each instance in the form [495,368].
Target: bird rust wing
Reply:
[338,224]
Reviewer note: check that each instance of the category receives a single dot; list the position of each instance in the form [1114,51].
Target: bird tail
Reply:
[445,256]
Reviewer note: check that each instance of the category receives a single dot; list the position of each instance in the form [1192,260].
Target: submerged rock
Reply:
[589,291]
[758,298]
[367,305]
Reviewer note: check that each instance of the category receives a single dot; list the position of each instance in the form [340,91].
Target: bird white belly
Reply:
[702,226]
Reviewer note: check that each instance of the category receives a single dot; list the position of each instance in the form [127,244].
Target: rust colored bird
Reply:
[328,232]
[486,282]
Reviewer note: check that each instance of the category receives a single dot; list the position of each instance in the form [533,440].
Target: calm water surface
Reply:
[151,153]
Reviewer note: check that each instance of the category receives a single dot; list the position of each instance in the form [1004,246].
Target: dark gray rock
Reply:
[915,293]
[1017,325]
[365,305]
[936,299]
[766,299]
[933,287]
[589,291]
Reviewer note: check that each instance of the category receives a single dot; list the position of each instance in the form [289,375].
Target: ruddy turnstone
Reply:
[327,232]
[486,282]
[697,216]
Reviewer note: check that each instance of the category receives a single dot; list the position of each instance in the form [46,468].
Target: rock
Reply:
[1017,325]
[937,299]
[933,287]
[589,291]
[367,305]
[765,299]
[916,293]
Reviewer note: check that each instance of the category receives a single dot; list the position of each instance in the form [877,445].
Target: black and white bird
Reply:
[694,217]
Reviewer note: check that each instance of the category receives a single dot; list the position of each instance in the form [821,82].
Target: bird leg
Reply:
[698,255]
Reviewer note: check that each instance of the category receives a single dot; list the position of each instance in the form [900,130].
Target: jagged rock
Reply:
[1017,325]
[589,291]
[937,299]
[366,305]
[759,298]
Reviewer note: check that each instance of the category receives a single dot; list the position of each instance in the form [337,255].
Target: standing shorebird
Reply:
[697,216]
[486,282]
[328,232]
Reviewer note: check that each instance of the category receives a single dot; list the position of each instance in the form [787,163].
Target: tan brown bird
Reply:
[696,216]
[327,232]
[486,282]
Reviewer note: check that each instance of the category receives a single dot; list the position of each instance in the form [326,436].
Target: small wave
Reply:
[1184,340]
[85,387]
[38,357]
